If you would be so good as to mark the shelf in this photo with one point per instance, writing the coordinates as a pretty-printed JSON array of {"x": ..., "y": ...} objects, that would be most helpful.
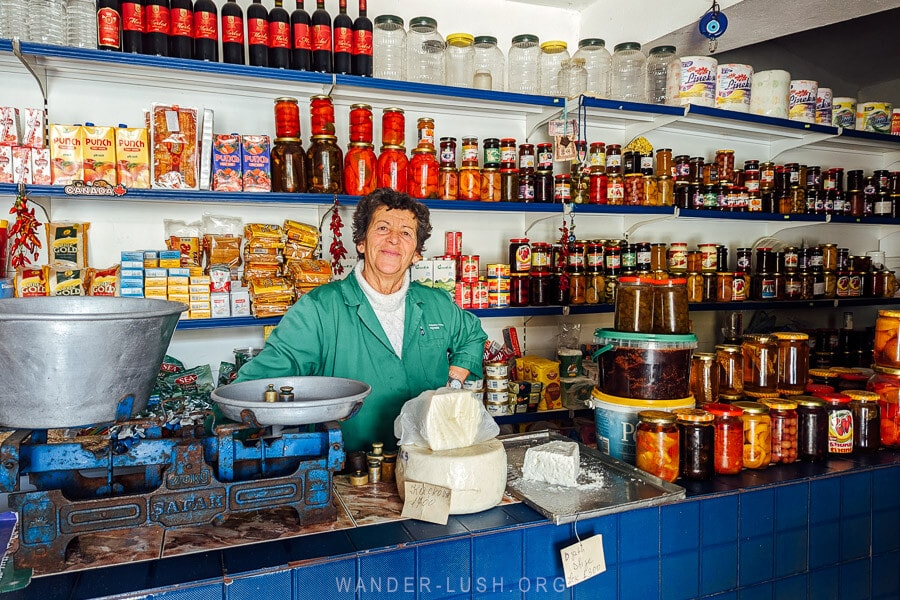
[
  {"x": 562, "y": 413},
  {"x": 187, "y": 324},
  {"x": 691, "y": 213}
]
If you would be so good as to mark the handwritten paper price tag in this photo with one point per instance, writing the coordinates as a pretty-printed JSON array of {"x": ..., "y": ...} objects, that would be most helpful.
[
  {"x": 426, "y": 502},
  {"x": 563, "y": 148},
  {"x": 558, "y": 127},
  {"x": 583, "y": 560}
]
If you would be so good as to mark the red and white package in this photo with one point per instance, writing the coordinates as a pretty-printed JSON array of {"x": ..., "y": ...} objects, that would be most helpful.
[
  {"x": 32, "y": 127},
  {"x": 21, "y": 165},
  {"x": 40, "y": 166},
  {"x": 6, "y": 164},
  {"x": 9, "y": 126}
]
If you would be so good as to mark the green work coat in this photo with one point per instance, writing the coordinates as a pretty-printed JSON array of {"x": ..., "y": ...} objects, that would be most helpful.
[{"x": 333, "y": 331}]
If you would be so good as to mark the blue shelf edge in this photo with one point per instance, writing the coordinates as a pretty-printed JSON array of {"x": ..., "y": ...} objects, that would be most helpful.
[
  {"x": 747, "y": 216},
  {"x": 229, "y": 322},
  {"x": 638, "y": 107},
  {"x": 718, "y": 113},
  {"x": 871, "y": 135}
]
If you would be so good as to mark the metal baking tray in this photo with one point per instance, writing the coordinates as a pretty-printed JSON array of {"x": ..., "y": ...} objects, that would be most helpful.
[{"x": 606, "y": 485}]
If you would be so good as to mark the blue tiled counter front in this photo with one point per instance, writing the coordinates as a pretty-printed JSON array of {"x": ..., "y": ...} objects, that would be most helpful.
[{"x": 821, "y": 531}]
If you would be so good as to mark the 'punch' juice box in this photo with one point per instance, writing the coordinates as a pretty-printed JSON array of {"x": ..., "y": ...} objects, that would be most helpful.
[
  {"x": 99, "y": 152},
  {"x": 133, "y": 157},
  {"x": 66, "y": 156},
  {"x": 227, "y": 163},
  {"x": 255, "y": 153}
]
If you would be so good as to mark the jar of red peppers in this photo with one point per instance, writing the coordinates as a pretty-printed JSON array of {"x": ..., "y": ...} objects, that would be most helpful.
[
  {"x": 812, "y": 428},
  {"x": 886, "y": 383},
  {"x": 696, "y": 441},
  {"x": 321, "y": 115},
  {"x": 326, "y": 162},
  {"x": 448, "y": 183},
  {"x": 393, "y": 168},
  {"x": 866, "y": 420},
  {"x": 287, "y": 118},
  {"x": 360, "y": 166},
  {"x": 361, "y": 123},
  {"x": 423, "y": 173},
  {"x": 728, "y": 446},
  {"x": 757, "y": 434},
  {"x": 784, "y": 429},
  {"x": 393, "y": 127},
  {"x": 656, "y": 444}
]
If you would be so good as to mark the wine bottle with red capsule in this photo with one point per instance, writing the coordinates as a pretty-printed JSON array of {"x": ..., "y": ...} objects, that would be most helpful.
[
  {"x": 109, "y": 24},
  {"x": 232, "y": 33},
  {"x": 206, "y": 31},
  {"x": 156, "y": 27},
  {"x": 301, "y": 40},
  {"x": 132, "y": 26},
  {"x": 258, "y": 34},
  {"x": 342, "y": 30},
  {"x": 362, "y": 43},
  {"x": 279, "y": 37},
  {"x": 321, "y": 39},
  {"x": 181, "y": 28}
]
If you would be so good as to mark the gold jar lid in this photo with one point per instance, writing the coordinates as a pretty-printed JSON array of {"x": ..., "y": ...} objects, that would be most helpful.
[
  {"x": 657, "y": 417},
  {"x": 693, "y": 415},
  {"x": 705, "y": 356},
  {"x": 894, "y": 314},
  {"x": 361, "y": 105},
  {"x": 809, "y": 401},
  {"x": 285, "y": 140},
  {"x": 329, "y": 138},
  {"x": 424, "y": 150},
  {"x": 823, "y": 373},
  {"x": 361, "y": 145},
  {"x": 320, "y": 97},
  {"x": 285, "y": 99},
  {"x": 885, "y": 370},
  {"x": 394, "y": 147},
  {"x": 751, "y": 408},
  {"x": 791, "y": 335},
  {"x": 778, "y": 404},
  {"x": 861, "y": 395},
  {"x": 728, "y": 348}
]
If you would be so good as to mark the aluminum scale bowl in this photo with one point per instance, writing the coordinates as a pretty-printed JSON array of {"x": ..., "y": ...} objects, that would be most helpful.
[{"x": 316, "y": 400}]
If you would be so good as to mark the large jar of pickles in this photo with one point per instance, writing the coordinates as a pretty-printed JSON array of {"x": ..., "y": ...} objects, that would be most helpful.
[
  {"x": 634, "y": 307},
  {"x": 887, "y": 339},
  {"x": 757, "y": 434},
  {"x": 886, "y": 383},
  {"x": 793, "y": 362},
  {"x": 656, "y": 444},
  {"x": 393, "y": 168},
  {"x": 696, "y": 439},
  {"x": 731, "y": 371},
  {"x": 784, "y": 429},
  {"x": 812, "y": 428},
  {"x": 326, "y": 162},
  {"x": 760, "y": 353},
  {"x": 728, "y": 447},
  {"x": 288, "y": 166},
  {"x": 360, "y": 166}
]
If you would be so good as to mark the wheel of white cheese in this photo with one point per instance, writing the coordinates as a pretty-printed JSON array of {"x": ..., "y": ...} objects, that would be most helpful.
[{"x": 476, "y": 474}]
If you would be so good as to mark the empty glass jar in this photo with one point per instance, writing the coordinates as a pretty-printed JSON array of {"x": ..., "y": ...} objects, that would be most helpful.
[
  {"x": 572, "y": 79},
  {"x": 524, "y": 65},
  {"x": 629, "y": 67},
  {"x": 425, "y": 52},
  {"x": 553, "y": 53},
  {"x": 389, "y": 48},
  {"x": 488, "y": 57},
  {"x": 598, "y": 64},
  {"x": 657, "y": 68},
  {"x": 459, "y": 60}
]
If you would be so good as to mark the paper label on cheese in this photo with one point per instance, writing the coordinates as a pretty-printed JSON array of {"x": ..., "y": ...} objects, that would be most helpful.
[
  {"x": 583, "y": 560},
  {"x": 427, "y": 502}
]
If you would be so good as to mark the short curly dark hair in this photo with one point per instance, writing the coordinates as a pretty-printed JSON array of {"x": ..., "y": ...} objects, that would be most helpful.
[{"x": 362, "y": 216}]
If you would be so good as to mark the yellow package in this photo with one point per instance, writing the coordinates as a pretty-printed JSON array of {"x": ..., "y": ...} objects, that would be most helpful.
[
  {"x": 99, "y": 153},
  {"x": 65, "y": 282},
  {"x": 269, "y": 285},
  {"x": 189, "y": 248},
  {"x": 546, "y": 371},
  {"x": 66, "y": 156},
  {"x": 103, "y": 282},
  {"x": 311, "y": 271},
  {"x": 67, "y": 244},
  {"x": 262, "y": 230},
  {"x": 31, "y": 282},
  {"x": 307, "y": 235},
  {"x": 292, "y": 251},
  {"x": 221, "y": 250},
  {"x": 133, "y": 157}
]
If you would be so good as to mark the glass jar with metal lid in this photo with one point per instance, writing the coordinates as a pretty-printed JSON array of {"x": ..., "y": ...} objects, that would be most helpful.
[
  {"x": 704, "y": 378},
  {"x": 887, "y": 334},
  {"x": 393, "y": 168},
  {"x": 866, "y": 420},
  {"x": 886, "y": 383},
  {"x": 492, "y": 186},
  {"x": 488, "y": 57},
  {"x": 289, "y": 166},
  {"x": 469, "y": 183},
  {"x": 784, "y": 429},
  {"x": 524, "y": 64},
  {"x": 696, "y": 441},
  {"x": 757, "y": 434},
  {"x": 598, "y": 63},
  {"x": 657, "y": 69},
  {"x": 656, "y": 444},
  {"x": 812, "y": 428},
  {"x": 360, "y": 169},
  {"x": 840, "y": 423},
  {"x": 423, "y": 173},
  {"x": 760, "y": 357},
  {"x": 628, "y": 73},
  {"x": 389, "y": 48},
  {"x": 326, "y": 163},
  {"x": 793, "y": 362},
  {"x": 728, "y": 443},
  {"x": 730, "y": 360},
  {"x": 425, "y": 52},
  {"x": 634, "y": 306}
]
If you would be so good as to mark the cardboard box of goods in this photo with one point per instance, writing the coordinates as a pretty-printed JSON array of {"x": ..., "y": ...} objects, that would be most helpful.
[
  {"x": 40, "y": 166},
  {"x": 240, "y": 302},
  {"x": 131, "y": 264},
  {"x": 131, "y": 282},
  {"x": 179, "y": 290},
  {"x": 9, "y": 126},
  {"x": 133, "y": 157},
  {"x": 199, "y": 289},
  {"x": 156, "y": 272},
  {"x": 22, "y": 165},
  {"x": 200, "y": 314},
  {"x": 156, "y": 292},
  {"x": 200, "y": 280},
  {"x": 184, "y": 298},
  {"x": 199, "y": 297},
  {"x": 127, "y": 292},
  {"x": 131, "y": 273},
  {"x": 179, "y": 272},
  {"x": 98, "y": 148},
  {"x": 66, "y": 155},
  {"x": 227, "y": 169},
  {"x": 423, "y": 272},
  {"x": 6, "y": 164},
  {"x": 445, "y": 275},
  {"x": 136, "y": 255},
  {"x": 33, "y": 128},
  {"x": 220, "y": 305},
  {"x": 255, "y": 163},
  {"x": 160, "y": 282}
]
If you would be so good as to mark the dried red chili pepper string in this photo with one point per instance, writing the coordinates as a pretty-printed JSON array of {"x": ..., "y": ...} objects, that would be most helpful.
[
  {"x": 337, "y": 250},
  {"x": 564, "y": 251},
  {"x": 25, "y": 245}
]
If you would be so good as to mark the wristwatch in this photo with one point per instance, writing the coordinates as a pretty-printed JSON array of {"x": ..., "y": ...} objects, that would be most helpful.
[{"x": 454, "y": 384}]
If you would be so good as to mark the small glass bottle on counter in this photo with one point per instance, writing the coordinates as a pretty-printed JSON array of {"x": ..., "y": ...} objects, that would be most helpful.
[
  {"x": 326, "y": 163},
  {"x": 360, "y": 169},
  {"x": 784, "y": 429},
  {"x": 656, "y": 444},
  {"x": 731, "y": 377},
  {"x": 288, "y": 166},
  {"x": 704, "y": 377},
  {"x": 696, "y": 440},
  {"x": 760, "y": 353},
  {"x": 728, "y": 445},
  {"x": 793, "y": 362},
  {"x": 757, "y": 434},
  {"x": 866, "y": 420},
  {"x": 812, "y": 428}
]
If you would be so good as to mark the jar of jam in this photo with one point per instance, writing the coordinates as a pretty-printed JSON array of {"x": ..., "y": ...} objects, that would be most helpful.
[
  {"x": 562, "y": 188},
  {"x": 760, "y": 352},
  {"x": 287, "y": 118},
  {"x": 526, "y": 158},
  {"x": 448, "y": 183},
  {"x": 664, "y": 165},
  {"x": 784, "y": 429},
  {"x": 321, "y": 115},
  {"x": 643, "y": 257},
  {"x": 659, "y": 257},
  {"x": 393, "y": 168},
  {"x": 615, "y": 189},
  {"x": 730, "y": 360},
  {"x": 696, "y": 440},
  {"x": 393, "y": 127},
  {"x": 886, "y": 383},
  {"x": 656, "y": 444},
  {"x": 704, "y": 380},
  {"x": 519, "y": 289},
  {"x": 593, "y": 256},
  {"x": 526, "y": 188},
  {"x": 423, "y": 173},
  {"x": 545, "y": 156},
  {"x": 361, "y": 123},
  {"x": 508, "y": 155},
  {"x": 793, "y": 362},
  {"x": 492, "y": 186},
  {"x": 728, "y": 441},
  {"x": 509, "y": 185},
  {"x": 559, "y": 294},
  {"x": 866, "y": 420},
  {"x": 469, "y": 183},
  {"x": 757, "y": 434},
  {"x": 812, "y": 428},
  {"x": 448, "y": 152},
  {"x": 767, "y": 177},
  {"x": 751, "y": 176},
  {"x": 840, "y": 423},
  {"x": 540, "y": 288},
  {"x": 425, "y": 132},
  {"x": 470, "y": 152},
  {"x": 614, "y": 159},
  {"x": 670, "y": 306},
  {"x": 543, "y": 186},
  {"x": 540, "y": 256},
  {"x": 491, "y": 152},
  {"x": 634, "y": 307},
  {"x": 289, "y": 166},
  {"x": 326, "y": 162},
  {"x": 520, "y": 256},
  {"x": 577, "y": 286},
  {"x": 597, "y": 157},
  {"x": 682, "y": 171},
  {"x": 360, "y": 169}
]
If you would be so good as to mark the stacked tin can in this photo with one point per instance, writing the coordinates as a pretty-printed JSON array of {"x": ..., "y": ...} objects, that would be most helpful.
[{"x": 496, "y": 389}]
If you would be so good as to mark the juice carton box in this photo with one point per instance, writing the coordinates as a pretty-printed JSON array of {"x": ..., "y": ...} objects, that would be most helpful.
[
  {"x": 255, "y": 153},
  {"x": 22, "y": 165},
  {"x": 6, "y": 164},
  {"x": 99, "y": 152},
  {"x": 66, "y": 156},
  {"x": 9, "y": 126},
  {"x": 40, "y": 166},
  {"x": 33, "y": 127},
  {"x": 133, "y": 157},
  {"x": 226, "y": 163}
]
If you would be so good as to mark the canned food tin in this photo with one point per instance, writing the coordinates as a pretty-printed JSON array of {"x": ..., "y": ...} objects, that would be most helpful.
[
  {"x": 453, "y": 243},
  {"x": 474, "y": 385},
  {"x": 496, "y": 384},
  {"x": 463, "y": 294},
  {"x": 497, "y": 409},
  {"x": 480, "y": 298},
  {"x": 496, "y": 369},
  {"x": 874, "y": 116},
  {"x": 498, "y": 396},
  {"x": 468, "y": 267},
  {"x": 497, "y": 270},
  {"x": 843, "y": 112},
  {"x": 498, "y": 299},
  {"x": 802, "y": 101}
]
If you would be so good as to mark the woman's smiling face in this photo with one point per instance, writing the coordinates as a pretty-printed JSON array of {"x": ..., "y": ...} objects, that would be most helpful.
[{"x": 390, "y": 244}]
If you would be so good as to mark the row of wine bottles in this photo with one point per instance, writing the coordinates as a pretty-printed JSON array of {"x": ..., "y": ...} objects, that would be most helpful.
[{"x": 265, "y": 38}]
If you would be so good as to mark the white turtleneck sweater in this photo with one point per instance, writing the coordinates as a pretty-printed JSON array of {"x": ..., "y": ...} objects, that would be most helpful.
[{"x": 389, "y": 308}]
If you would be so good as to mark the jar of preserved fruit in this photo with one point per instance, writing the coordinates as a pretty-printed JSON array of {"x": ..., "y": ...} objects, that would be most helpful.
[
  {"x": 760, "y": 357},
  {"x": 694, "y": 287},
  {"x": 540, "y": 288},
  {"x": 562, "y": 188},
  {"x": 664, "y": 165},
  {"x": 321, "y": 115},
  {"x": 289, "y": 166},
  {"x": 666, "y": 187},
  {"x": 508, "y": 156},
  {"x": 527, "y": 158},
  {"x": 361, "y": 123},
  {"x": 425, "y": 132},
  {"x": 696, "y": 440},
  {"x": 470, "y": 152},
  {"x": 724, "y": 286},
  {"x": 469, "y": 183},
  {"x": 757, "y": 434},
  {"x": 543, "y": 186},
  {"x": 577, "y": 286},
  {"x": 704, "y": 377},
  {"x": 614, "y": 158},
  {"x": 423, "y": 173},
  {"x": 784, "y": 429},
  {"x": 840, "y": 423},
  {"x": 634, "y": 307},
  {"x": 634, "y": 189},
  {"x": 793, "y": 362},
  {"x": 866, "y": 420},
  {"x": 670, "y": 306},
  {"x": 448, "y": 152},
  {"x": 393, "y": 168},
  {"x": 656, "y": 444},
  {"x": 731, "y": 378},
  {"x": 360, "y": 169},
  {"x": 725, "y": 164},
  {"x": 287, "y": 118},
  {"x": 509, "y": 184},
  {"x": 650, "y": 191},
  {"x": 728, "y": 442},
  {"x": 887, "y": 339},
  {"x": 393, "y": 127},
  {"x": 886, "y": 383},
  {"x": 615, "y": 189},
  {"x": 596, "y": 288},
  {"x": 812, "y": 428},
  {"x": 448, "y": 183},
  {"x": 326, "y": 163},
  {"x": 519, "y": 289}
]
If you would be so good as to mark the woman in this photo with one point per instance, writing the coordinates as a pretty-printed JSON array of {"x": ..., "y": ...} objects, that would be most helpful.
[{"x": 376, "y": 326}]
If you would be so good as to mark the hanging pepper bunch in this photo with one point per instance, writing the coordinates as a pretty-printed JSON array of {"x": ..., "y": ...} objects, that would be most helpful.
[
  {"x": 25, "y": 244},
  {"x": 565, "y": 233},
  {"x": 337, "y": 250}
]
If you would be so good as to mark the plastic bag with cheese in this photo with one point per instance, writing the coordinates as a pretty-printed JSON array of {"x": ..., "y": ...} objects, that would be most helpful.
[{"x": 444, "y": 419}]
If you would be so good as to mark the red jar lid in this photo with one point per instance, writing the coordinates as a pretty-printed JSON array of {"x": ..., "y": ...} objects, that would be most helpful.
[
  {"x": 834, "y": 398},
  {"x": 857, "y": 377},
  {"x": 818, "y": 388},
  {"x": 724, "y": 410}
]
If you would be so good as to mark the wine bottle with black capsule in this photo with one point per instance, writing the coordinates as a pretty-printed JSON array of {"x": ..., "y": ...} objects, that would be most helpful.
[
  {"x": 133, "y": 25},
  {"x": 206, "y": 31},
  {"x": 362, "y": 43},
  {"x": 258, "y": 34},
  {"x": 156, "y": 27},
  {"x": 279, "y": 37},
  {"x": 301, "y": 40},
  {"x": 181, "y": 28},
  {"x": 342, "y": 31},
  {"x": 321, "y": 39},
  {"x": 232, "y": 33}
]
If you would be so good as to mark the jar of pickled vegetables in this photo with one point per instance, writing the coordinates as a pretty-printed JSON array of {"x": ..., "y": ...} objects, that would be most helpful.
[
  {"x": 731, "y": 371},
  {"x": 728, "y": 442},
  {"x": 886, "y": 383},
  {"x": 361, "y": 123},
  {"x": 423, "y": 173},
  {"x": 696, "y": 440},
  {"x": 287, "y": 118},
  {"x": 866, "y": 420},
  {"x": 887, "y": 339},
  {"x": 812, "y": 428},
  {"x": 760, "y": 353},
  {"x": 704, "y": 378},
  {"x": 360, "y": 166},
  {"x": 670, "y": 306},
  {"x": 784, "y": 429},
  {"x": 321, "y": 115},
  {"x": 634, "y": 307},
  {"x": 491, "y": 185},
  {"x": 448, "y": 183},
  {"x": 393, "y": 127},
  {"x": 288, "y": 165},
  {"x": 469, "y": 183},
  {"x": 326, "y": 162},
  {"x": 793, "y": 362},
  {"x": 757, "y": 434},
  {"x": 656, "y": 444},
  {"x": 393, "y": 168},
  {"x": 840, "y": 424}
]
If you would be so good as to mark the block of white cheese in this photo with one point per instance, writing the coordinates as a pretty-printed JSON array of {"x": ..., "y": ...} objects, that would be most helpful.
[
  {"x": 452, "y": 419},
  {"x": 476, "y": 475},
  {"x": 556, "y": 463}
]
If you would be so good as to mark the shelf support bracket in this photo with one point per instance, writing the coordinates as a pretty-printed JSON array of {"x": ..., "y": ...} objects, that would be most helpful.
[
  {"x": 28, "y": 62},
  {"x": 641, "y": 223},
  {"x": 633, "y": 131},
  {"x": 891, "y": 159},
  {"x": 778, "y": 148},
  {"x": 533, "y": 121},
  {"x": 799, "y": 225},
  {"x": 567, "y": 210}
]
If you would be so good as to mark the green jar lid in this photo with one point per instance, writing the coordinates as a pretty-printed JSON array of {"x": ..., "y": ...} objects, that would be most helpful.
[
  {"x": 663, "y": 50},
  {"x": 525, "y": 37},
  {"x": 592, "y": 42},
  {"x": 423, "y": 22},
  {"x": 652, "y": 340},
  {"x": 389, "y": 19},
  {"x": 485, "y": 39},
  {"x": 627, "y": 46}
]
